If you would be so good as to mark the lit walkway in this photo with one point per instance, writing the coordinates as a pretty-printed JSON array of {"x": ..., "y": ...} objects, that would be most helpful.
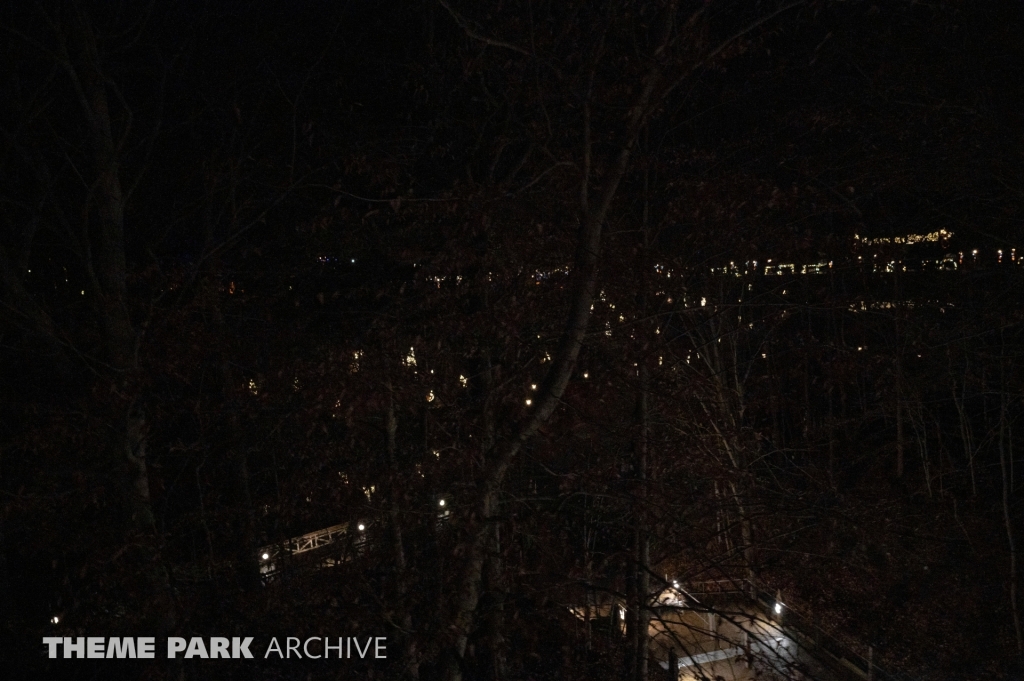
[
  {"x": 734, "y": 642},
  {"x": 738, "y": 632}
]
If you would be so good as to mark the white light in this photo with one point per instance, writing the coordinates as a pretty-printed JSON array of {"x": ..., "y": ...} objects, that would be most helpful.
[
  {"x": 533, "y": 386},
  {"x": 778, "y": 608},
  {"x": 675, "y": 584},
  {"x": 361, "y": 527},
  {"x": 55, "y": 619},
  {"x": 441, "y": 503},
  {"x": 622, "y": 613},
  {"x": 529, "y": 402},
  {"x": 586, "y": 374},
  {"x": 353, "y": 261},
  {"x": 265, "y": 556}
]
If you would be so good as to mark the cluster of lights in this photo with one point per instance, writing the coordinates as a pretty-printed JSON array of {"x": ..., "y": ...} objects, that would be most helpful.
[
  {"x": 330, "y": 259},
  {"x": 541, "y": 275},
  {"x": 940, "y": 235},
  {"x": 778, "y": 269},
  {"x": 948, "y": 262},
  {"x": 884, "y": 305}
]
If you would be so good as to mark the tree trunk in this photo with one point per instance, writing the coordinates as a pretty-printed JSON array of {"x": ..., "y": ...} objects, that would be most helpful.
[
  {"x": 917, "y": 422},
  {"x": 900, "y": 438},
  {"x": 900, "y": 408},
  {"x": 640, "y": 582},
  {"x": 549, "y": 395},
  {"x": 246, "y": 560},
  {"x": 494, "y": 623},
  {"x": 142, "y": 526},
  {"x": 966, "y": 433},
  {"x": 106, "y": 265},
  {"x": 403, "y": 616},
  {"x": 6, "y": 601},
  {"x": 641, "y": 536},
  {"x": 1008, "y": 519}
]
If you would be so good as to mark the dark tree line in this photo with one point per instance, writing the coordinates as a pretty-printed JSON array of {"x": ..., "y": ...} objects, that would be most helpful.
[{"x": 560, "y": 301}]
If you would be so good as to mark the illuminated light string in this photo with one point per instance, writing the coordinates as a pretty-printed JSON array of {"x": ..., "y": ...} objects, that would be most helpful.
[{"x": 940, "y": 235}]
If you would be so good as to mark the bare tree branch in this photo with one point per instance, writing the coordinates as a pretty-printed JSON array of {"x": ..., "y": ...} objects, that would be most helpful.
[{"x": 477, "y": 35}]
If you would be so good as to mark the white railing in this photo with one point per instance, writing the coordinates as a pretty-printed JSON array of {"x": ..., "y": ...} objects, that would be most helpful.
[{"x": 270, "y": 556}]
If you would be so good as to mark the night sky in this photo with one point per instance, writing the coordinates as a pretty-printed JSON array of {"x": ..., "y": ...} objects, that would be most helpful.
[{"x": 535, "y": 340}]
